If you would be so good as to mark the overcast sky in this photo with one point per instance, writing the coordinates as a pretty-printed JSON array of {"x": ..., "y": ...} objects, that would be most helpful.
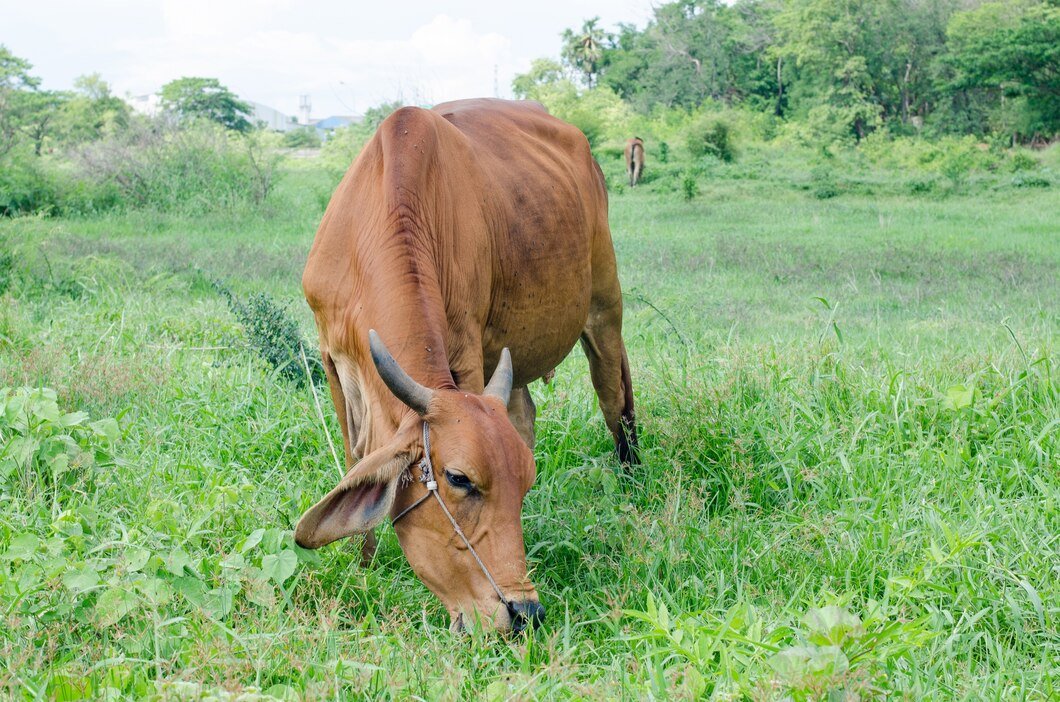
[{"x": 347, "y": 55}]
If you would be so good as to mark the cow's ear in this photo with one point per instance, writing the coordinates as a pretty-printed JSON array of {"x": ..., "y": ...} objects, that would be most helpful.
[{"x": 363, "y": 497}]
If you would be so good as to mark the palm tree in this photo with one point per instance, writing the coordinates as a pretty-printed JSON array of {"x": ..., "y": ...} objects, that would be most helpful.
[{"x": 584, "y": 50}]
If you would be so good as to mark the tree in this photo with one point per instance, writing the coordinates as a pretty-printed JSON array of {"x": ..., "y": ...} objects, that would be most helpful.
[
  {"x": 91, "y": 112},
  {"x": 206, "y": 98},
  {"x": 1010, "y": 52},
  {"x": 841, "y": 45},
  {"x": 15, "y": 85},
  {"x": 374, "y": 116},
  {"x": 40, "y": 108},
  {"x": 583, "y": 50},
  {"x": 543, "y": 72}
]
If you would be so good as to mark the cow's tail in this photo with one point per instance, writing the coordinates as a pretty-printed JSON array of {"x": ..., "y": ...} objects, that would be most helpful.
[{"x": 635, "y": 165}]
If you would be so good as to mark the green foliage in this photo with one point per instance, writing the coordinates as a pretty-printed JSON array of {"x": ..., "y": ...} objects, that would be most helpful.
[
  {"x": 7, "y": 269},
  {"x": 343, "y": 146},
  {"x": 206, "y": 98},
  {"x": 711, "y": 136},
  {"x": 273, "y": 334},
  {"x": 196, "y": 165},
  {"x": 689, "y": 185},
  {"x": 824, "y": 182},
  {"x": 583, "y": 50},
  {"x": 45, "y": 451},
  {"x": 302, "y": 138},
  {"x": 834, "y": 654},
  {"x": 598, "y": 112},
  {"x": 25, "y": 184},
  {"x": 91, "y": 113},
  {"x": 18, "y": 92},
  {"x": 843, "y": 69},
  {"x": 1010, "y": 49}
]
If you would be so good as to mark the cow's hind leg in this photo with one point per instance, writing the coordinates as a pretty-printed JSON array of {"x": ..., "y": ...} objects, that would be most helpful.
[
  {"x": 602, "y": 342},
  {"x": 522, "y": 413}
]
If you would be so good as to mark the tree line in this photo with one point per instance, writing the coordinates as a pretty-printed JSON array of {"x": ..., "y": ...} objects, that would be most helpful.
[{"x": 846, "y": 67}]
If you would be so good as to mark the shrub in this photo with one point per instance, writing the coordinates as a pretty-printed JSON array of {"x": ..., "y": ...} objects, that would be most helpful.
[
  {"x": 824, "y": 183},
  {"x": 1022, "y": 161},
  {"x": 711, "y": 136},
  {"x": 25, "y": 186},
  {"x": 921, "y": 186},
  {"x": 343, "y": 146},
  {"x": 664, "y": 152},
  {"x": 194, "y": 166},
  {"x": 1029, "y": 180},
  {"x": 689, "y": 185},
  {"x": 302, "y": 138},
  {"x": 273, "y": 334},
  {"x": 7, "y": 269}
]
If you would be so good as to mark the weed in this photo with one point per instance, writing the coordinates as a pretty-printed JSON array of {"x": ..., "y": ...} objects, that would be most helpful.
[
  {"x": 689, "y": 186},
  {"x": 273, "y": 334}
]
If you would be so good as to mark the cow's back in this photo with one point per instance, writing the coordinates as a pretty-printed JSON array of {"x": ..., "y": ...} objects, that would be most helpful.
[
  {"x": 545, "y": 205},
  {"x": 505, "y": 207}
]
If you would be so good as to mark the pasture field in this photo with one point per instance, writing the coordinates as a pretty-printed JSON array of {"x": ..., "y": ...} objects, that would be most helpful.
[{"x": 849, "y": 409}]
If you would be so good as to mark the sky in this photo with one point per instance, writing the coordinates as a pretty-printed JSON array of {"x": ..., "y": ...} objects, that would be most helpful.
[{"x": 347, "y": 56}]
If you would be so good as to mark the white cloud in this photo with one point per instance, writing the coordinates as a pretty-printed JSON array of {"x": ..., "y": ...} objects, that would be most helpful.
[
  {"x": 443, "y": 59},
  {"x": 348, "y": 55}
]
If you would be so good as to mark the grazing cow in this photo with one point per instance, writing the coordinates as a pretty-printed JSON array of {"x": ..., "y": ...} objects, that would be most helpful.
[
  {"x": 465, "y": 238},
  {"x": 634, "y": 160}
]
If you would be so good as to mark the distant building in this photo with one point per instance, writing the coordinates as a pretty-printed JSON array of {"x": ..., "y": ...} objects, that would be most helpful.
[
  {"x": 326, "y": 127},
  {"x": 150, "y": 104},
  {"x": 271, "y": 118}
]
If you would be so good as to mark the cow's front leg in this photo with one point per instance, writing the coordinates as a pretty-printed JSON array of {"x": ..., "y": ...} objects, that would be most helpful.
[{"x": 522, "y": 413}]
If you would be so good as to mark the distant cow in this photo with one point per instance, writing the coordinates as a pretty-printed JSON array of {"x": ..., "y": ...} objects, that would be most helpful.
[
  {"x": 469, "y": 237},
  {"x": 634, "y": 160}
]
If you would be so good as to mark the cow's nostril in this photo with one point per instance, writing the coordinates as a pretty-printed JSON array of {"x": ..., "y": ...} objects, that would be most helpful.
[{"x": 529, "y": 612}]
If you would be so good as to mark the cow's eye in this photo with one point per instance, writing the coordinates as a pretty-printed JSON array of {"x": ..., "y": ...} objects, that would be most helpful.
[{"x": 459, "y": 481}]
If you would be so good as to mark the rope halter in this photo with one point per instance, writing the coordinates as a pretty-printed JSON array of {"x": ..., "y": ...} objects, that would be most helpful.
[{"x": 428, "y": 479}]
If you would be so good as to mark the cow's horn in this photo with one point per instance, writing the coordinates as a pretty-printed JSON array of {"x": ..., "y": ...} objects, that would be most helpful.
[
  {"x": 400, "y": 383},
  {"x": 500, "y": 384}
]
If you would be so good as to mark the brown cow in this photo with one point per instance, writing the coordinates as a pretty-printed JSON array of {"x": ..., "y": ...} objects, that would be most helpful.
[
  {"x": 634, "y": 160},
  {"x": 458, "y": 233}
]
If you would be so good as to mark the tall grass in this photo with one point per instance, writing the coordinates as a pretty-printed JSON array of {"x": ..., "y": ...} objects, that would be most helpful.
[{"x": 849, "y": 410}]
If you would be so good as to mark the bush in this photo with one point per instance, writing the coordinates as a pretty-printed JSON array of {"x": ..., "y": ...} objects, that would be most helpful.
[
  {"x": 25, "y": 186},
  {"x": 1029, "y": 180},
  {"x": 197, "y": 166},
  {"x": 689, "y": 186},
  {"x": 1022, "y": 161},
  {"x": 273, "y": 334},
  {"x": 711, "y": 136},
  {"x": 302, "y": 138},
  {"x": 46, "y": 450},
  {"x": 824, "y": 183},
  {"x": 343, "y": 146},
  {"x": 7, "y": 270},
  {"x": 921, "y": 186}
]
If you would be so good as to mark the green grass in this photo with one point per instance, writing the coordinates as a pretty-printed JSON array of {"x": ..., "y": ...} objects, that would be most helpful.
[{"x": 849, "y": 406}]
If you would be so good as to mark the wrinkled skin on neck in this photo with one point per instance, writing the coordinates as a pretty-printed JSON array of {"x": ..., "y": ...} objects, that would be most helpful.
[{"x": 484, "y": 470}]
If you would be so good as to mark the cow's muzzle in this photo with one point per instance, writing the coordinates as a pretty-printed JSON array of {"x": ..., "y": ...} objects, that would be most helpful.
[{"x": 527, "y": 613}]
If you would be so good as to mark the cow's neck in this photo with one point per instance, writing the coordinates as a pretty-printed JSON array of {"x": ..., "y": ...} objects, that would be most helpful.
[{"x": 403, "y": 303}]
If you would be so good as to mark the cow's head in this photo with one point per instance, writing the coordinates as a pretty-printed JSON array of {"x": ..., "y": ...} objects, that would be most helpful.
[{"x": 483, "y": 469}]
